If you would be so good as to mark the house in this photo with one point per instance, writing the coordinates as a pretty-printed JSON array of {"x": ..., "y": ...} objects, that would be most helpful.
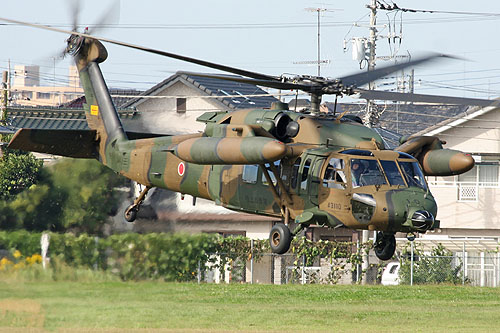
[
  {"x": 467, "y": 202},
  {"x": 173, "y": 105}
]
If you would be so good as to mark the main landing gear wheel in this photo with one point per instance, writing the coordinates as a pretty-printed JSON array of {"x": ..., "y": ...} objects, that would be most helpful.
[
  {"x": 280, "y": 238},
  {"x": 385, "y": 246}
]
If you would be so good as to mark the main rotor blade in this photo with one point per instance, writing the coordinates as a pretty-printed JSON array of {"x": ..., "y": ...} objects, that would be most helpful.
[
  {"x": 357, "y": 80},
  {"x": 74, "y": 12},
  {"x": 208, "y": 64},
  {"x": 111, "y": 15},
  {"x": 407, "y": 97},
  {"x": 265, "y": 83}
]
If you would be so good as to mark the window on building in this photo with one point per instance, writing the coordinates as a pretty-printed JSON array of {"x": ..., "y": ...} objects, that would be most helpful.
[
  {"x": 488, "y": 174},
  {"x": 181, "y": 105},
  {"x": 44, "y": 95},
  {"x": 469, "y": 177},
  {"x": 484, "y": 174}
]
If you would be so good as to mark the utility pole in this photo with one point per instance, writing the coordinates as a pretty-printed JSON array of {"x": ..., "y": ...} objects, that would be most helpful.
[
  {"x": 372, "y": 41},
  {"x": 3, "y": 107},
  {"x": 370, "y": 112}
]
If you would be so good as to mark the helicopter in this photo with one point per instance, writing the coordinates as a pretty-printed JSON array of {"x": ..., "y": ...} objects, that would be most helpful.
[{"x": 307, "y": 169}]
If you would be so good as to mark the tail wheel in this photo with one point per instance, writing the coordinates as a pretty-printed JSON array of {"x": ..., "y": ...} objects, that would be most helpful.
[
  {"x": 280, "y": 238},
  {"x": 385, "y": 246},
  {"x": 131, "y": 213}
]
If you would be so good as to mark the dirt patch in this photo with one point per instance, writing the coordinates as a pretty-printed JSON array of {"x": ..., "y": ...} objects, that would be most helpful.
[{"x": 24, "y": 313}]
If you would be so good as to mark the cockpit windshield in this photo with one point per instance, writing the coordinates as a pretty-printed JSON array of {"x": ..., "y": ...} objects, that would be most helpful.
[
  {"x": 413, "y": 174},
  {"x": 392, "y": 172},
  {"x": 366, "y": 172}
]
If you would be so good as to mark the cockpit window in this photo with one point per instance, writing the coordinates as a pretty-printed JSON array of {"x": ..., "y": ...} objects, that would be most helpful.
[
  {"x": 366, "y": 172},
  {"x": 413, "y": 174},
  {"x": 392, "y": 172},
  {"x": 334, "y": 174}
]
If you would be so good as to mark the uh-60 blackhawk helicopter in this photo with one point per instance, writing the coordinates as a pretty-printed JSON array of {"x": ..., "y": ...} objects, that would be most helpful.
[{"x": 327, "y": 170}]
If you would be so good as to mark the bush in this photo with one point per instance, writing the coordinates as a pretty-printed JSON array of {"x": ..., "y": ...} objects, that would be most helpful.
[
  {"x": 171, "y": 257},
  {"x": 437, "y": 267}
]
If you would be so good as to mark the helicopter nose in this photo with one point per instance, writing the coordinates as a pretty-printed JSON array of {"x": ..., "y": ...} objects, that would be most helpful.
[{"x": 422, "y": 220}]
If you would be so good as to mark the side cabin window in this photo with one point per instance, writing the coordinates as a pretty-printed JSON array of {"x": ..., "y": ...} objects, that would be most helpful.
[
  {"x": 250, "y": 174},
  {"x": 277, "y": 164},
  {"x": 305, "y": 172},
  {"x": 365, "y": 172},
  {"x": 334, "y": 176},
  {"x": 295, "y": 173}
]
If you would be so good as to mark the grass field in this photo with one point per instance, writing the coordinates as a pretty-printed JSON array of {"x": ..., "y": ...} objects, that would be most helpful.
[{"x": 144, "y": 306}]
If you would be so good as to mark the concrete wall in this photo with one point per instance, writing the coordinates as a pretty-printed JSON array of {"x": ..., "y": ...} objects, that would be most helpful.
[{"x": 160, "y": 114}]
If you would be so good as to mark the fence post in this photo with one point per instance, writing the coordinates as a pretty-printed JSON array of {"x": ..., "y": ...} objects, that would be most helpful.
[
  {"x": 483, "y": 278},
  {"x": 44, "y": 243},
  {"x": 411, "y": 266},
  {"x": 96, "y": 241},
  {"x": 464, "y": 263},
  {"x": 303, "y": 269},
  {"x": 199, "y": 271},
  {"x": 358, "y": 266},
  {"x": 251, "y": 261}
]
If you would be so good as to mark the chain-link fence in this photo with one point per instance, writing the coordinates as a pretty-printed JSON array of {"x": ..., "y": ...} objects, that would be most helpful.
[
  {"x": 413, "y": 266},
  {"x": 283, "y": 269}
]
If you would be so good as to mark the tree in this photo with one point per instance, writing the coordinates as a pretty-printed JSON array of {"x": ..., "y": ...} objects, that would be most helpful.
[
  {"x": 40, "y": 206},
  {"x": 437, "y": 267},
  {"x": 86, "y": 191},
  {"x": 18, "y": 171},
  {"x": 70, "y": 194}
]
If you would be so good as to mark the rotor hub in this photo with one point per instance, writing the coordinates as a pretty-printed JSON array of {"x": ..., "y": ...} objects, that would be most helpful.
[{"x": 75, "y": 43}]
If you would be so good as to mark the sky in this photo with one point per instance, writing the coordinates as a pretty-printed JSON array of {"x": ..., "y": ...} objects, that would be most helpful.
[{"x": 271, "y": 37}]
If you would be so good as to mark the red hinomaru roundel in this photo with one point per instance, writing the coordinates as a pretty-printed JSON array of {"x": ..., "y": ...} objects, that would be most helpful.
[{"x": 181, "y": 168}]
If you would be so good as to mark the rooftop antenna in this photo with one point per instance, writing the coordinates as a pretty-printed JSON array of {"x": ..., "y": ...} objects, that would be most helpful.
[{"x": 319, "y": 10}]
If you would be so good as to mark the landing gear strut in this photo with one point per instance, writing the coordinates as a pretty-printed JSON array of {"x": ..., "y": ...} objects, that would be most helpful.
[
  {"x": 385, "y": 245},
  {"x": 133, "y": 209}
]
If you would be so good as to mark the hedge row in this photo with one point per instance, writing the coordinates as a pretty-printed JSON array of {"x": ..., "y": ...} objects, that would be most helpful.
[{"x": 173, "y": 257}]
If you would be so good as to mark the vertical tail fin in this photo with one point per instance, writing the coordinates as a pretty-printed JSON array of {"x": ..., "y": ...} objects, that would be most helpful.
[{"x": 99, "y": 109}]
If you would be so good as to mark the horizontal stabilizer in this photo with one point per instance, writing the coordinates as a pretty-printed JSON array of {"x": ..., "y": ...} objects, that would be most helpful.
[{"x": 69, "y": 143}]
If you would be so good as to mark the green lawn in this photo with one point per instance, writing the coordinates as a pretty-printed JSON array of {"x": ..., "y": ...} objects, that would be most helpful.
[{"x": 209, "y": 307}]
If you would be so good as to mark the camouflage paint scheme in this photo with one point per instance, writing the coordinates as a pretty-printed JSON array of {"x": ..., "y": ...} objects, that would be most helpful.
[{"x": 211, "y": 164}]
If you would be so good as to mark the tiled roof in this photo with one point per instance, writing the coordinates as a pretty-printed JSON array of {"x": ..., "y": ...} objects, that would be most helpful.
[
  {"x": 406, "y": 119},
  {"x": 6, "y": 130},
  {"x": 216, "y": 87},
  {"x": 53, "y": 118},
  {"x": 117, "y": 100}
]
